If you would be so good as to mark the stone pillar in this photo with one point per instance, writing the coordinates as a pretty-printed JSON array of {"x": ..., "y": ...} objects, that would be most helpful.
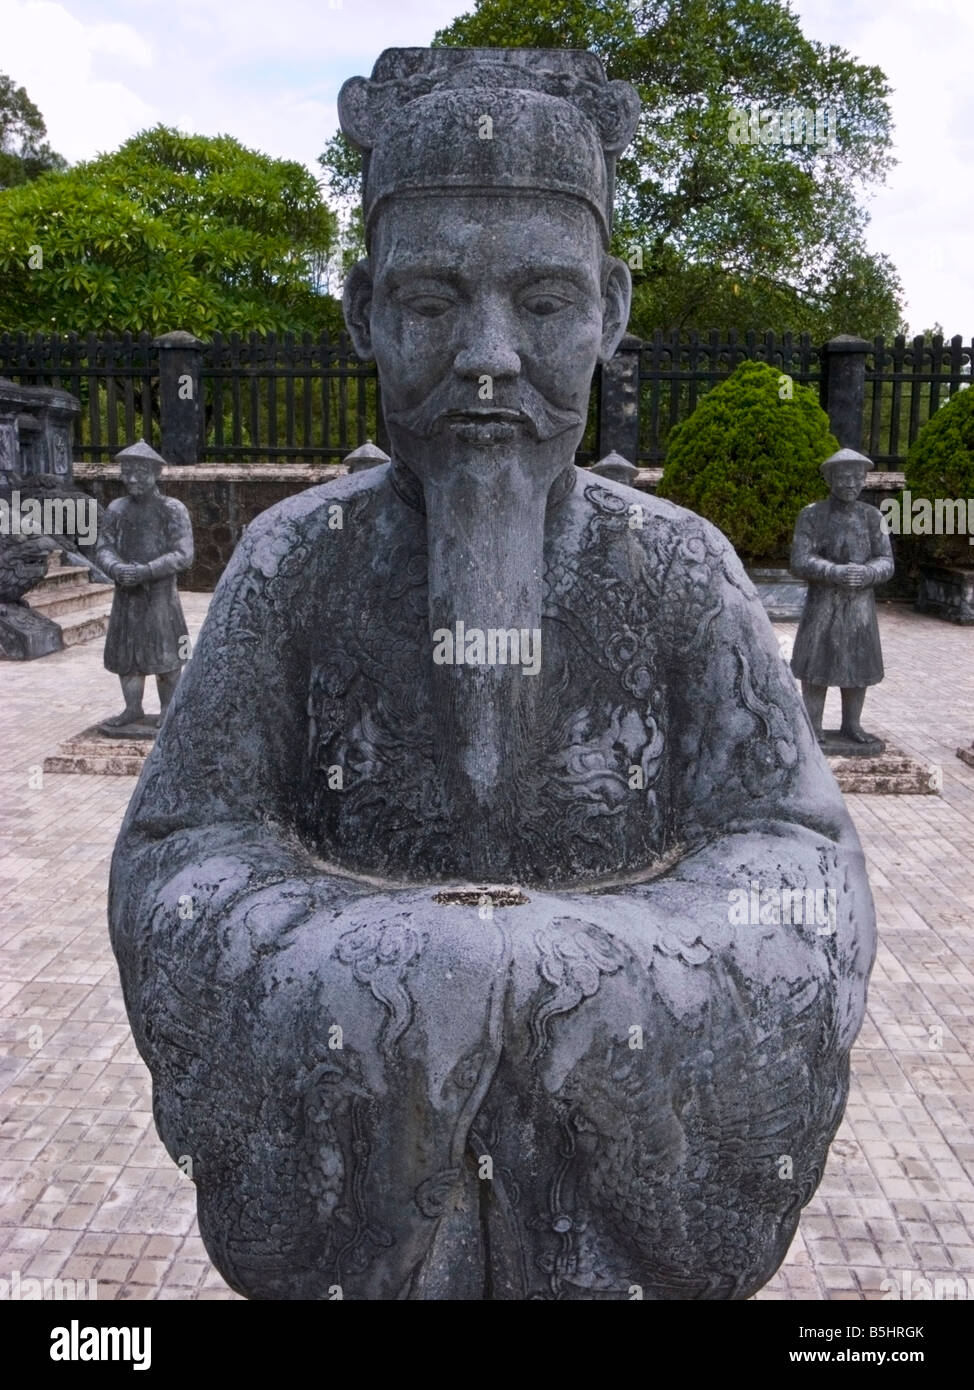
[
  {"x": 619, "y": 401},
  {"x": 57, "y": 419},
  {"x": 31, "y": 445},
  {"x": 365, "y": 456},
  {"x": 180, "y": 401},
  {"x": 616, "y": 467},
  {"x": 9, "y": 449},
  {"x": 843, "y": 387}
]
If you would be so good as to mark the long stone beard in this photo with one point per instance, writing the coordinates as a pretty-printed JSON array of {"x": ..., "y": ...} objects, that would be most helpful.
[{"x": 485, "y": 510}]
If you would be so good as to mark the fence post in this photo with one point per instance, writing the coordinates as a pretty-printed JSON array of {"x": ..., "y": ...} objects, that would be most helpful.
[
  {"x": 619, "y": 402},
  {"x": 180, "y": 401},
  {"x": 843, "y": 387}
]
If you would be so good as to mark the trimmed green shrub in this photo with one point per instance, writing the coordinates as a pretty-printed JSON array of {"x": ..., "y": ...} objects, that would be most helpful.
[
  {"x": 748, "y": 459},
  {"x": 940, "y": 464}
]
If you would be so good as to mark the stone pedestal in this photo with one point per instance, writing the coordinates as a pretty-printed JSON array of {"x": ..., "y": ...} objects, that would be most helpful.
[
  {"x": 25, "y": 635},
  {"x": 890, "y": 773},
  {"x": 966, "y": 755},
  {"x": 92, "y": 752},
  {"x": 782, "y": 595}
]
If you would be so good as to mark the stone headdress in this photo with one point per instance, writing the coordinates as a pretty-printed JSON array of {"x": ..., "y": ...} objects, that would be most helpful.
[
  {"x": 553, "y": 123},
  {"x": 843, "y": 456}
]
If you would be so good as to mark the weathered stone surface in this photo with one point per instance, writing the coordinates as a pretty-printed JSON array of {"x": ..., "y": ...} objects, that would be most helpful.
[
  {"x": 888, "y": 773},
  {"x": 966, "y": 755},
  {"x": 24, "y": 634},
  {"x": 947, "y": 591},
  {"x": 94, "y": 752},
  {"x": 443, "y": 968},
  {"x": 781, "y": 594}
]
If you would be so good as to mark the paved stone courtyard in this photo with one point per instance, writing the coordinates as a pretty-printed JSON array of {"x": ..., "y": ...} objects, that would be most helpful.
[{"x": 89, "y": 1193}]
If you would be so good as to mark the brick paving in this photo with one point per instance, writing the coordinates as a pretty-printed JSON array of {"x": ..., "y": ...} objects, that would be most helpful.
[{"x": 88, "y": 1192}]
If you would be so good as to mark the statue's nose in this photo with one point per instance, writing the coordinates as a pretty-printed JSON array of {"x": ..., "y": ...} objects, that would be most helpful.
[{"x": 489, "y": 348}]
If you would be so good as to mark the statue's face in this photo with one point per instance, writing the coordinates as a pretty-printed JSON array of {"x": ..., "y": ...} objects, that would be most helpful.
[
  {"x": 486, "y": 319},
  {"x": 846, "y": 481},
  {"x": 139, "y": 479}
]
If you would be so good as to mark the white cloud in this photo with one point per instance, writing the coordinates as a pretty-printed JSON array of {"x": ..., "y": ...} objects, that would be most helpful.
[
  {"x": 922, "y": 217},
  {"x": 61, "y": 62}
]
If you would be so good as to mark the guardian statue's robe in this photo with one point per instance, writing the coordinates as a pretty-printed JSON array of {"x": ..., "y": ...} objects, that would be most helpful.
[{"x": 628, "y": 1070}]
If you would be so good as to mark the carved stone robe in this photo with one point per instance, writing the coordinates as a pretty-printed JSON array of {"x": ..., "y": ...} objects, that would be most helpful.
[{"x": 410, "y": 1093}]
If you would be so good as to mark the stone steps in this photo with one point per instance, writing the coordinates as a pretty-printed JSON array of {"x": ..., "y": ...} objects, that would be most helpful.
[{"x": 65, "y": 595}]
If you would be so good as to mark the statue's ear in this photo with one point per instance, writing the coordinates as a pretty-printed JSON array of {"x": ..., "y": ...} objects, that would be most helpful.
[
  {"x": 357, "y": 305},
  {"x": 616, "y": 300}
]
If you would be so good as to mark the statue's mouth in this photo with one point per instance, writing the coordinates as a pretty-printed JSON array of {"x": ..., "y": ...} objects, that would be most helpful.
[{"x": 492, "y": 425}]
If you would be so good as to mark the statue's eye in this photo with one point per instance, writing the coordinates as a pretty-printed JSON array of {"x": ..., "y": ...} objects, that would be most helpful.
[
  {"x": 429, "y": 306},
  {"x": 545, "y": 304}
]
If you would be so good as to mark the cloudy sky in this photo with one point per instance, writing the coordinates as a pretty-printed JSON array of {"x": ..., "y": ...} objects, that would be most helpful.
[{"x": 269, "y": 73}]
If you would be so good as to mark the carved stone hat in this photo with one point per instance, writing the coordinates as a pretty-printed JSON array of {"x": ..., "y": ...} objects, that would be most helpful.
[
  {"x": 140, "y": 453},
  {"x": 845, "y": 456},
  {"x": 433, "y": 121}
]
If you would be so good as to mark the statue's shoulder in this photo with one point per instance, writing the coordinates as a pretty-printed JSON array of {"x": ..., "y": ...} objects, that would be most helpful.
[
  {"x": 665, "y": 534},
  {"x": 812, "y": 512},
  {"x": 311, "y": 529},
  {"x": 176, "y": 509},
  {"x": 681, "y": 568},
  {"x": 324, "y": 508}
]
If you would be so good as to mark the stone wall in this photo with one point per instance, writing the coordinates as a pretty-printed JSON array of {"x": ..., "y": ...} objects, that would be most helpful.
[
  {"x": 224, "y": 498},
  {"x": 221, "y": 499}
]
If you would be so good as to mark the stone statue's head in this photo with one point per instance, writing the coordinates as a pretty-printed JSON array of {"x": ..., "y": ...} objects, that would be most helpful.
[
  {"x": 845, "y": 472},
  {"x": 488, "y": 295},
  {"x": 487, "y": 299},
  {"x": 140, "y": 467}
]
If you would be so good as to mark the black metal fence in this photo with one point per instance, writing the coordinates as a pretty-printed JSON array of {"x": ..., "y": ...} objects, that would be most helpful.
[{"x": 299, "y": 398}]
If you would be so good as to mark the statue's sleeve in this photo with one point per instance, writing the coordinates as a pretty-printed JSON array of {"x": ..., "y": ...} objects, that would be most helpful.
[
  {"x": 207, "y": 845},
  {"x": 180, "y": 538},
  {"x": 806, "y": 563},
  {"x": 880, "y": 564},
  {"x": 107, "y": 557},
  {"x": 754, "y": 809}
]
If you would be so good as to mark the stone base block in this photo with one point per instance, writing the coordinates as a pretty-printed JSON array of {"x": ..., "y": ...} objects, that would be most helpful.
[
  {"x": 93, "y": 752},
  {"x": 966, "y": 755},
  {"x": 25, "y": 635},
  {"x": 891, "y": 773}
]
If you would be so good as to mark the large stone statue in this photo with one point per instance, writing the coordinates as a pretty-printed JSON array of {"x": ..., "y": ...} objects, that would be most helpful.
[
  {"x": 841, "y": 547},
  {"x": 487, "y": 914},
  {"x": 144, "y": 541}
]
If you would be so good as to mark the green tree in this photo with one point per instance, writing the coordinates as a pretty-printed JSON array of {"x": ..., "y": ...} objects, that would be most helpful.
[
  {"x": 719, "y": 231},
  {"x": 169, "y": 231},
  {"x": 24, "y": 152}
]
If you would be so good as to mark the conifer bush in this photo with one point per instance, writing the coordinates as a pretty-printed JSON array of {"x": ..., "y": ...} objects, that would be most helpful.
[
  {"x": 940, "y": 464},
  {"x": 748, "y": 459}
]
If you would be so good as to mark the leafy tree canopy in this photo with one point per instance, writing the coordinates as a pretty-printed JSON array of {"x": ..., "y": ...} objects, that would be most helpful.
[
  {"x": 169, "y": 231},
  {"x": 24, "y": 152},
  {"x": 725, "y": 220}
]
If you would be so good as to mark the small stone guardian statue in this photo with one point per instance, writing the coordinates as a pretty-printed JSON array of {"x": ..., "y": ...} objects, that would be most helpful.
[
  {"x": 146, "y": 539},
  {"x": 842, "y": 549}
]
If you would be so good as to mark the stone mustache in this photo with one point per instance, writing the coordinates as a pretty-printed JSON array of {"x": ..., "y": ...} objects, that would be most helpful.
[{"x": 432, "y": 960}]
